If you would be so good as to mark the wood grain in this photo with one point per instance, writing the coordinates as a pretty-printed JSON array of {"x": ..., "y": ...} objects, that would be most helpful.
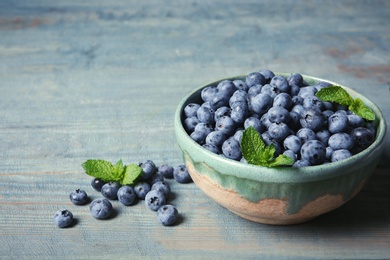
[{"x": 101, "y": 79}]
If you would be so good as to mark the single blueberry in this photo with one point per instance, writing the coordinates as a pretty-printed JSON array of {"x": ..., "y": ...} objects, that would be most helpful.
[
  {"x": 63, "y": 218},
  {"x": 97, "y": 184},
  {"x": 294, "y": 90},
  {"x": 148, "y": 168},
  {"x": 222, "y": 111},
  {"x": 190, "y": 123},
  {"x": 312, "y": 119},
  {"x": 280, "y": 83},
  {"x": 198, "y": 137},
  {"x": 162, "y": 186},
  {"x": 283, "y": 100},
  {"x": 208, "y": 92},
  {"x": 190, "y": 109},
  {"x": 294, "y": 122},
  {"x": 240, "y": 85},
  {"x": 267, "y": 74},
  {"x": 313, "y": 151},
  {"x": 101, "y": 208},
  {"x": 261, "y": 103},
  {"x": 154, "y": 199},
  {"x": 165, "y": 170},
  {"x": 238, "y": 135},
  {"x": 307, "y": 91},
  {"x": 362, "y": 138},
  {"x": 301, "y": 163},
  {"x": 272, "y": 91},
  {"x": 265, "y": 121},
  {"x": 313, "y": 102},
  {"x": 227, "y": 87},
  {"x": 181, "y": 174},
  {"x": 226, "y": 125},
  {"x": 126, "y": 195},
  {"x": 78, "y": 197},
  {"x": 205, "y": 115},
  {"x": 212, "y": 148},
  {"x": 329, "y": 152},
  {"x": 355, "y": 121},
  {"x": 215, "y": 138},
  {"x": 167, "y": 215},
  {"x": 296, "y": 100},
  {"x": 299, "y": 109},
  {"x": 110, "y": 190},
  {"x": 239, "y": 112},
  {"x": 340, "y": 155},
  {"x": 255, "y": 78},
  {"x": 156, "y": 177},
  {"x": 306, "y": 134},
  {"x": 220, "y": 99},
  {"x": 255, "y": 123},
  {"x": 238, "y": 96},
  {"x": 231, "y": 149},
  {"x": 278, "y": 115},
  {"x": 141, "y": 189},
  {"x": 323, "y": 136},
  {"x": 278, "y": 131},
  {"x": 296, "y": 79},
  {"x": 293, "y": 143},
  {"x": 339, "y": 141},
  {"x": 254, "y": 90},
  {"x": 203, "y": 127},
  {"x": 337, "y": 122}
]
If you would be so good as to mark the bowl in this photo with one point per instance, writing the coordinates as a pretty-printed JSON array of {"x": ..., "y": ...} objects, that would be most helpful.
[{"x": 284, "y": 195}]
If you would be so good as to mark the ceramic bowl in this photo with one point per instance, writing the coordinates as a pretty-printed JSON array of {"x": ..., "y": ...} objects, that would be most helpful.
[{"x": 278, "y": 196}]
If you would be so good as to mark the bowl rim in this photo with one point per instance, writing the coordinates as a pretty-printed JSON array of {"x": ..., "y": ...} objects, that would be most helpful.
[{"x": 281, "y": 174}]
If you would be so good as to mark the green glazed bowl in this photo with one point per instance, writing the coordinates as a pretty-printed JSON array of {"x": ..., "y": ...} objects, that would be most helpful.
[{"x": 278, "y": 196}]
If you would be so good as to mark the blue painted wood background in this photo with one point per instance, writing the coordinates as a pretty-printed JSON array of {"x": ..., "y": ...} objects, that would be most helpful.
[{"x": 102, "y": 79}]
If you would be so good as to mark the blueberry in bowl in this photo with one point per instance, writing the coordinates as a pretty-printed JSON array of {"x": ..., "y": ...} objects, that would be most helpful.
[{"x": 279, "y": 148}]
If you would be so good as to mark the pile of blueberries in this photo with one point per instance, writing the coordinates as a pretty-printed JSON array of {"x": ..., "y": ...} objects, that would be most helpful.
[
  {"x": 285, "y": 112},
  {"x": 153, "y": 188}
]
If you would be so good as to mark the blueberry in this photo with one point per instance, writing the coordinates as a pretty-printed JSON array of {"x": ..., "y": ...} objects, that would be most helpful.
[
  {"x": 97, "y": 184},
  {"x": 295, "y": 79},
  {"x": 222, "y": 111},
  {"x": 313, "y": 102},
  {"x": 337, "y": 122},
  {"x": 141, "y": 189},
  {"x": 278, "y": 131},
  {"x": 190, "y": 123},
  {"x": 198, "y": 137},
  {"x": 362, "y": 138},
  {"x": 205, "y": 115},
  {"x": 227, "y": 87},
  {"x": 238, "y": 135},
  {"x": 231, "y": 149},
  {"x": 167, "y": 215},
  {"x": 181, "y": 174},
  {"x": 280, "y": 83},
  {"x": 154, "y": 199},
  {"x": 148, "y": 168},
  {"x": 290, "y": 154},
  {"x": 162, "y": 186},
  {"x": 307, "y": 91},
  {"x": 78, "y": 197},
  {"x": 272, "y": 91},
  {"x": 238, "y": 96},
  {"x": 323, "y": 136},
  {"x": 240, "y": 85},
  {"x": 299, "y": 109},
  {"x": 126, "y": 195},
  {"x": 306, "y": 134},
  {"x": 294, "y": 122},
  {"x": 226, "y": 125},
  {"x": 254, "y": 91},
  {"x": 294, "y": 89},
  {"x": 239, "y": 112},
  {"x": 329, "y": 152},
  {"x": 301, "y": 163},
  {"x": 340, "y": 141},
  {"x": 190, "y": 109},
  {"x": 216, "y": 138},
  {"x": 355, "y": 121},
  {"x": 283, "y": 100},
  {"x": 297, "y": 100},
  {"x": 212, "y": 148},
  {"x": 101, "y": 208},
  {"x": 278, "y": 115},
  {"x": 255, "y": 78},
  {"x": 203, "y": 127},
  {"x": 293, "y": 143},
  {"x": 265, "y": 121},
  {"x": 156, "y": 177},
  {"x": 255, "y": 123},
  {"x": 208, "y": 93},
  {"x": 165, "y": 170},
  {"x": 63, "y": 218},
  {"x": 312, "y": 119},
  {"x": 340, "y": 155},
  {"x": 313, "y": 151},
  {"x": 261, "y": 103},
  {"x": 110, "y": 190},
  {"x": 267, "y": 74}
]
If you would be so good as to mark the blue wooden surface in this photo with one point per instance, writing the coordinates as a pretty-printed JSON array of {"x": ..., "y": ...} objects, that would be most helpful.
[{"x": 101, "y": 79}]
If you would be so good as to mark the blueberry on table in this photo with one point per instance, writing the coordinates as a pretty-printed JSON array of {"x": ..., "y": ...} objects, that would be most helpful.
[
  {"x": 181, "y": 174},
  {"x": 167, "y": 215},
  {"x": 78, "y": 197},
  {"x": 63, "y": 218},
  {"x": 97, "y": 184},
  {"x": 126, "y": 195},
  {"x": 155, "y": 199},
  {"x": 110, "y": 190},
  {"x": 148, "y": 169},
  {"x": 165, "y": 170},
  {"x": 101, "y": 208},
  {"x": 141, "y": 189},
  {"x": 162, "y": 186}
]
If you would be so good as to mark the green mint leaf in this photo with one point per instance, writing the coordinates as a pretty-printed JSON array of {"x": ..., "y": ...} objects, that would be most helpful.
[
  {"x": 99, "y": 169},
  {"x": 252, "y": 146},
  {"x": 335, "y": 94},
  {"x": 256, "y": 152},
  {"x": 281, "y": 160},
  {"x": 131, "y": 173},
  {"x": 118, "y": 171},
  {"x": 360, "y": 109}
]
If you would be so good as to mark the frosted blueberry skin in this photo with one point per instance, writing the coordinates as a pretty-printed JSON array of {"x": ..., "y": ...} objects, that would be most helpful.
[
  {"x": 154, "y": 199},
  {"x": 78, "y": 197},
  {"x": 162, "y": 186},
  {"x": 181, "y": 175},
  {"x": 97, "y": 184},
  {"x": 165, "y": 170},
  {"x": 141, "y": 189},
  {"x": 148, "y": 169},
  {"x": 314, "y": 152},
  {"x": 101, "y": 208},
  {"x": 126, "y": 195},
  {"x": 167, "y": 215},
  {"x": 63, "y": 218},
  {"x": 110, "y": 190}
]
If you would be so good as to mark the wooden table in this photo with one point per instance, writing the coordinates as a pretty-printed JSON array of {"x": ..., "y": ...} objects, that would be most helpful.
[{"x": 102, "y": 79}]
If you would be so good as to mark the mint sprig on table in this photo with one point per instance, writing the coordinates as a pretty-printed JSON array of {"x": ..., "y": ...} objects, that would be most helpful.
[
  {"x": 256, "y": 152},
  {"x": 339, "y": 95},
  {"x": 106, "y": 171}
]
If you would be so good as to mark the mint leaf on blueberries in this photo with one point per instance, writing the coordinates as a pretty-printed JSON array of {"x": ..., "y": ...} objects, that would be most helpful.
[
  {"x": 132, "y": 172},
  {"x": 107, "y": 172},
  {"x": 339, "y": 95},
  {"x": 256, "y": 152}
]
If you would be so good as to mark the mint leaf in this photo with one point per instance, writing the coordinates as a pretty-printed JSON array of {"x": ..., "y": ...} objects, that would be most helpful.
[
  {"x": 100, "y": 169},
  {"x": 339, "y": 95},
  {"x": 131, "y": 173},
  {"x": 252, "y": 146},
  {"x": 118, "y": 170},
  {"x": 256, "y": 152},
  {"x": 335, "y": 94}
]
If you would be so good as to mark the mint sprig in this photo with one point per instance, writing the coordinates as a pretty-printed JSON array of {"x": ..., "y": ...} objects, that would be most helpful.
[
  {"x": 341, "y": 96},
  {"x": 256, "y": 152},
  {"x": 107, "y": 172}
]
